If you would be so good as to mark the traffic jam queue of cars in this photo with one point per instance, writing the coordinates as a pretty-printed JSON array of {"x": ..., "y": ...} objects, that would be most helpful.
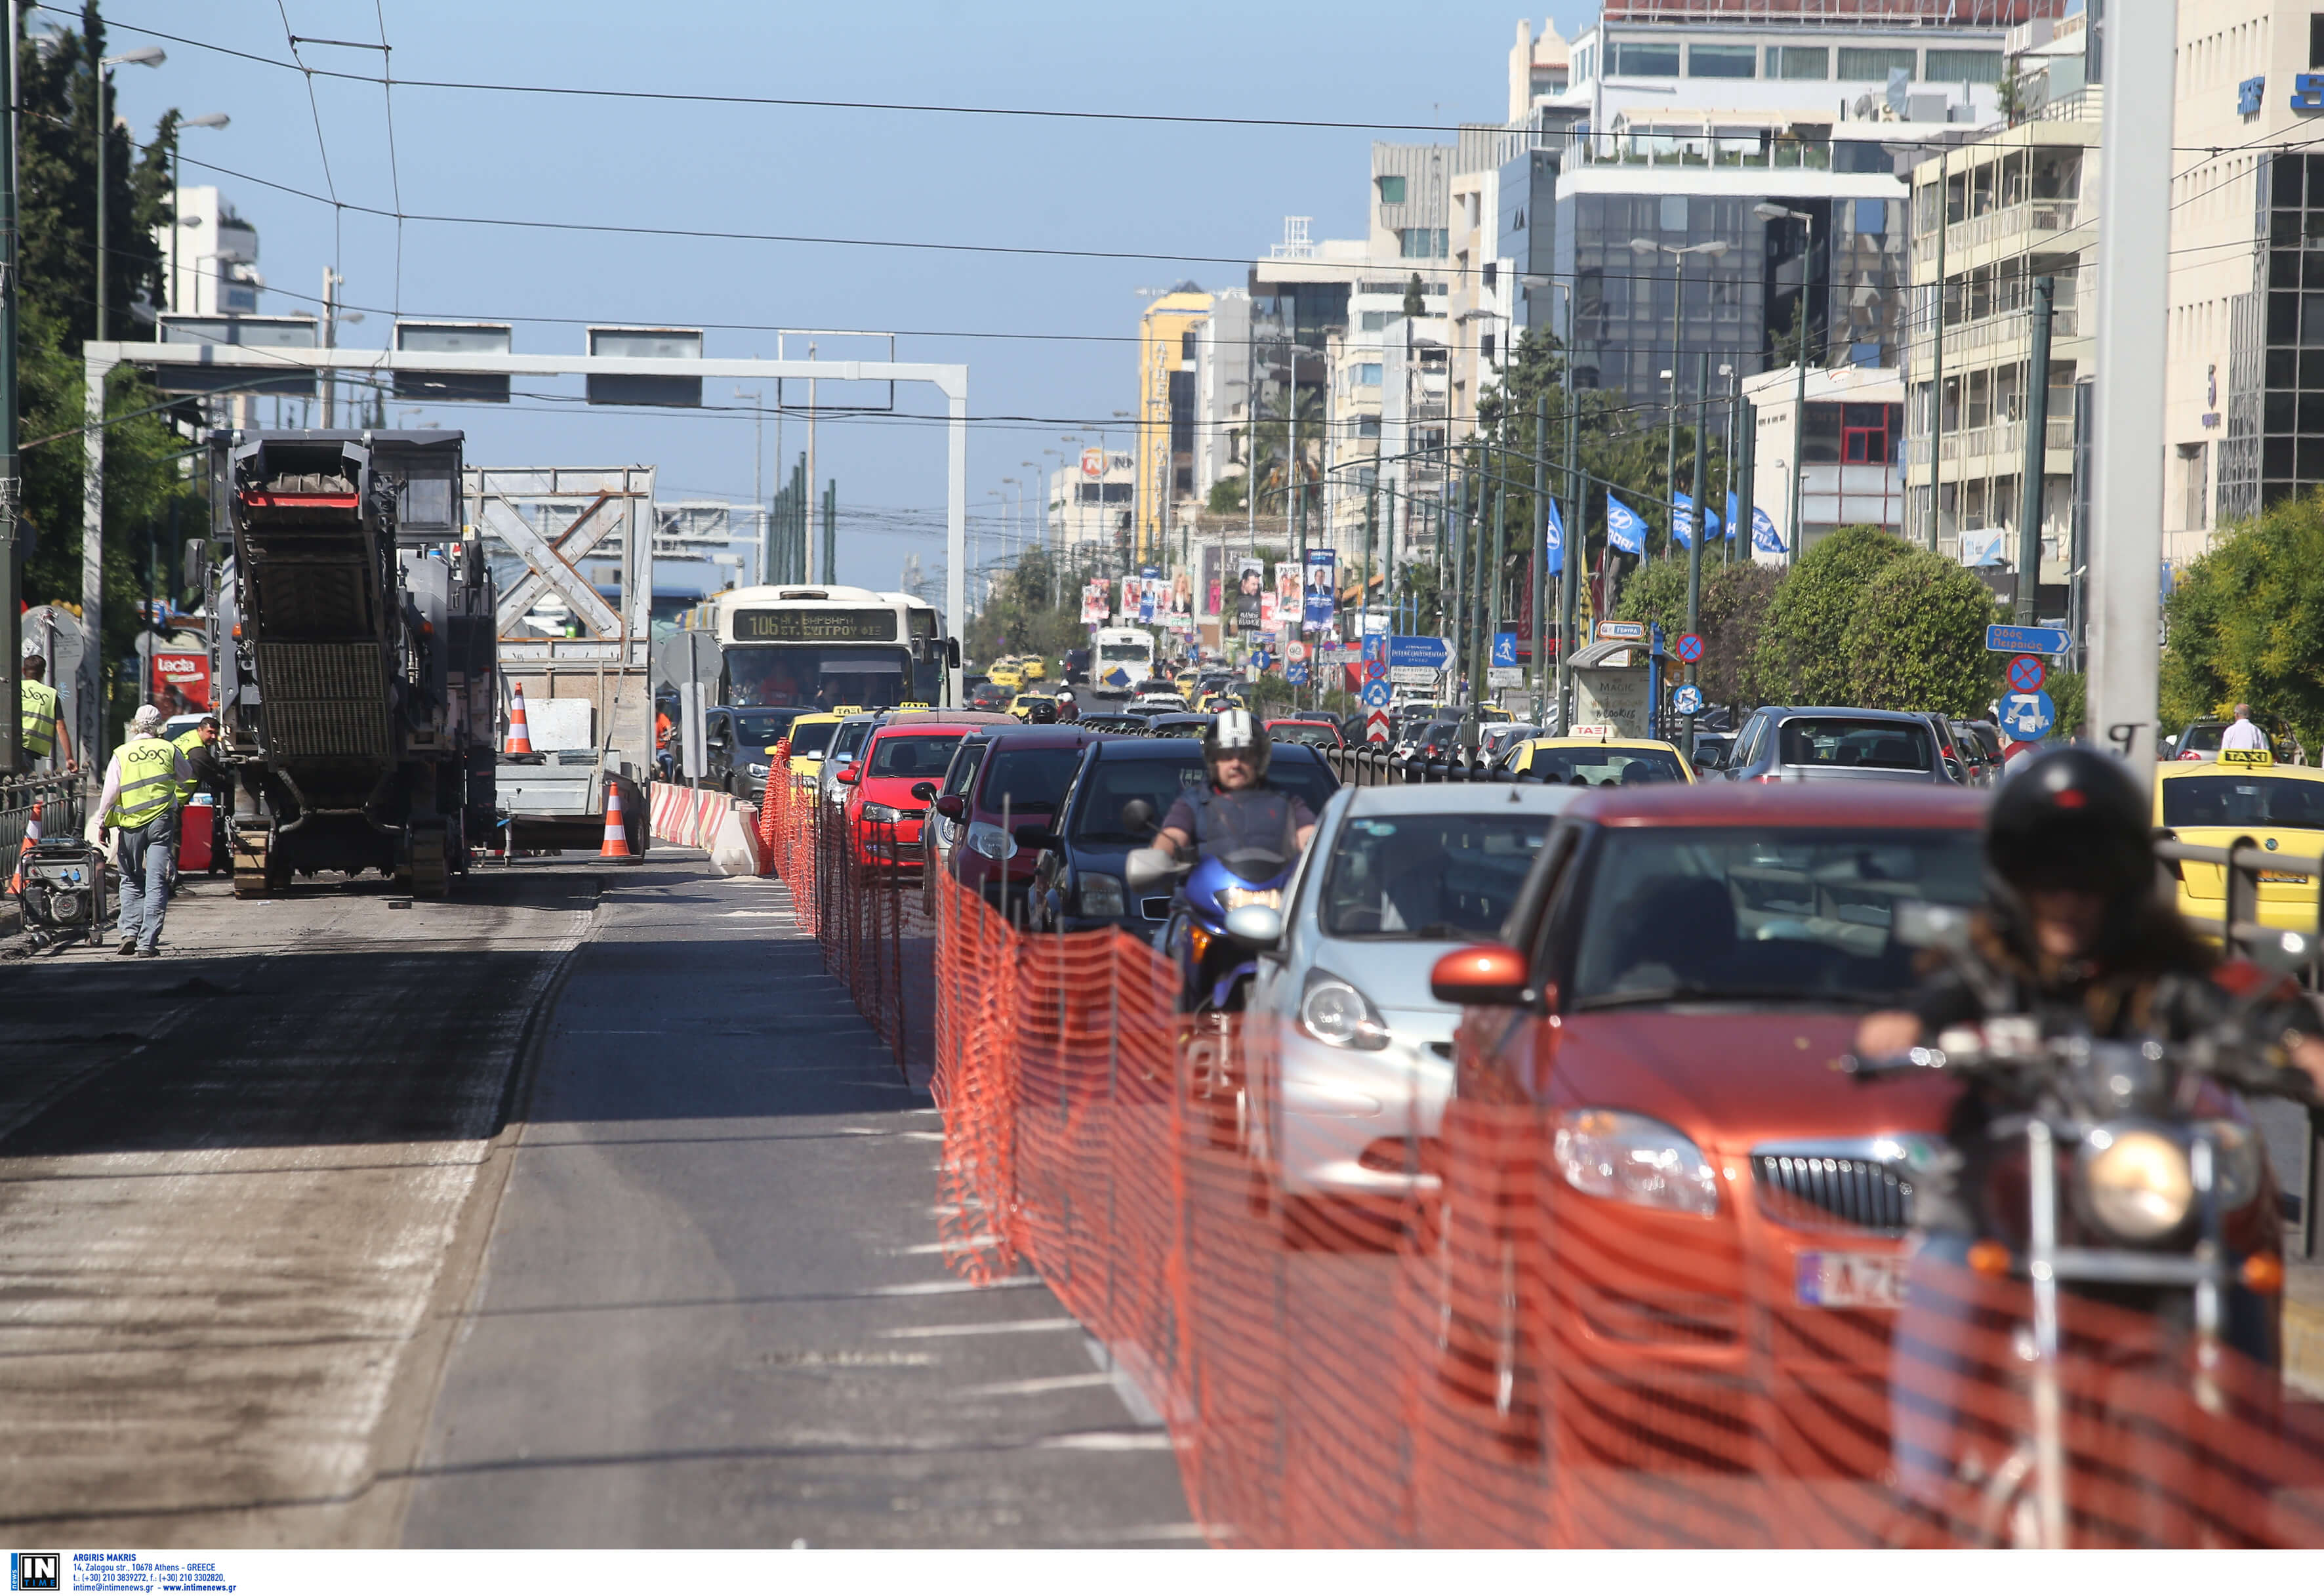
[{"x": 1662, "y": 970}]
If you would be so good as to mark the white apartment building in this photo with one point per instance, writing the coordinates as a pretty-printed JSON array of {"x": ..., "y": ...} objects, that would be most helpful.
[
  {"x": 1090, "y": 499},
  {"x": 1222, "y": 369},
  {"x": 210, "y": 258}
]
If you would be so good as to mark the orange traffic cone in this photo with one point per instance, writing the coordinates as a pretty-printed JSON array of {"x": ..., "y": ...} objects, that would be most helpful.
[
  {"x": 520, "y": 736},
  {"x": 32, "y": 836},
  {"x": 616, "y": 844}
]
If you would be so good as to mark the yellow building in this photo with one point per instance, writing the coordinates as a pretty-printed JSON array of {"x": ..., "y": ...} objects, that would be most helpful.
[{"x": 1166, "y": 414}]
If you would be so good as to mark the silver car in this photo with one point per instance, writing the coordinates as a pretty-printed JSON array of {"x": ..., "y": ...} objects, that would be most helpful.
[
  {"x": 1782, "y": 743},
  {"x": 1352, "y": 1057}
]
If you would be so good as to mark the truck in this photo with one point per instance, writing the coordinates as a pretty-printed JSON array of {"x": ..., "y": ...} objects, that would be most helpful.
[{"x": 357, "y": 687}]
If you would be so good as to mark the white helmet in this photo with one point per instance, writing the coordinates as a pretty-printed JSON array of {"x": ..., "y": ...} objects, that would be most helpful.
[{"x": 1237, "y": 731}]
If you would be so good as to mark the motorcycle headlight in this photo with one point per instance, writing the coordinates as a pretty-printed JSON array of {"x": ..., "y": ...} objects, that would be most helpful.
[
  {"x": 1631, "y": 1159},
  {"x": 1233, "y": 898},
  {"x": 991, "y": 842},
  {"x": 1103, "y": 895},
  {"x": 1333, "y": 1010},
  {"x": 882, "y": 814},
  {"x": 2138, "y": 1182}
]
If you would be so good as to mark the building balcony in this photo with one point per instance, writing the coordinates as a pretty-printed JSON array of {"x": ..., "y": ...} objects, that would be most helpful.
[
  {"x": 2032, "y": 227},
  {"x": 2002, "y": 441}
]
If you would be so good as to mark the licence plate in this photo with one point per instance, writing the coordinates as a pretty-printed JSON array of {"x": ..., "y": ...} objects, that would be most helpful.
[
  {"x": 1850, "y": 1280},
  {"x": 2284, "y": 877}
]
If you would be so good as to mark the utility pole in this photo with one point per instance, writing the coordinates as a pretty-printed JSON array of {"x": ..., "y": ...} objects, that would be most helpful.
[
  {"x": 1577, "y": 542},
  {"x": 1539, "y": 569},
  {"x": 830, "y": 530},
  {"x": 1745, "y": 472},
  {"x": 807, "y": 544},
  {"x": 1701, "y": 521},
  {"x": 2037, "y": 429},
  {"x": 1937, "y": 362},
  {"x": 12, "y": 752},
  {"x": 332, "y": 284}
]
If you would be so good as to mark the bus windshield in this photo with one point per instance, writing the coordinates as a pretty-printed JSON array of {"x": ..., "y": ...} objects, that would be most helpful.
[
  {"x": 810, "y": 676},
  {"x": 1125, "y": 650}
]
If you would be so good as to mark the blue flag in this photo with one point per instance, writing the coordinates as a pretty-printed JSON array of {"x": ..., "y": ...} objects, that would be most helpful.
[
  {"x": 1556, "y": 540},
  {"x": 1763, "y": 536},
  {"x": 1717, "y": 528},
  {"x": 1626, "y": 530},
  {"x": 1682, "y": 519},
  {"x": 1731, "y": 522}
]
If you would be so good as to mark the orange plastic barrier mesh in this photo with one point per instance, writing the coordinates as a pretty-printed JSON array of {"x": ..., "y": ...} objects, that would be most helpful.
[{"x": 1493, "y": 1359}]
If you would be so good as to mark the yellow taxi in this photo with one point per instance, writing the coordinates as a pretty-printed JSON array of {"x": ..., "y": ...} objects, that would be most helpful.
[
  {"x": 2245, "y": 793},
  {"x": 1600, "y": 761},
  {"x": 1005, "y": 673},
  {"x": 810, "y": 736},
  {"x": 1022, "y": 706},
  {"x": 1033, "y": 667},
  {"x": 1186, "y": 684}
]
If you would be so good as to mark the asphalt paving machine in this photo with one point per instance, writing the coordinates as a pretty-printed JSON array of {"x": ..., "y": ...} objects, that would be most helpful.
[{"x": 357, "y": 684}]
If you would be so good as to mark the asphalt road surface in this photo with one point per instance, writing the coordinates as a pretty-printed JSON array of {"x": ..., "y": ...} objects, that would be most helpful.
[{"x": 581, "y": 1209}]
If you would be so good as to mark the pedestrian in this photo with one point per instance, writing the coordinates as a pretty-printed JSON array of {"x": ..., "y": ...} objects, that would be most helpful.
[
  {"x": 40, "y": 721},
  {"x": 140, "y": 800},
  {"x": 199, "y": 745},
  {"x": 2241, "y": 733}
]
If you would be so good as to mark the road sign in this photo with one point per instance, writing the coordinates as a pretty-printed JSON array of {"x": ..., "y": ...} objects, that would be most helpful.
[
  {"x": 1296, "y": 652},
  {"x": 1505, "y": 676},
  {"x": 1375, "y": 726},
  {"x": 1505, "y": 649},
  {"x": 1690, "y": 647},
  {"x": 1688, "y": 699},
  {"x": 1295, "y": 673},
  {"x": 1376, "y": 670},
  {"x": 1377, "y": 695},
  {"x": 2028, "y": 716},
  {"x": 1413, "y": 675},
  {"x": 1262, "y": 659},
  {"x": 2027, "y": 639},
  {"x": 1434, "y": 652},
  {"x": 2026, "y": 674},
  {"x": 1620, "y": 632}
]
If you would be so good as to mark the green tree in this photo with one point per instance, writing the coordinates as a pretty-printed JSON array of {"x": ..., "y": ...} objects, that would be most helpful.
[
  {"x": 1732, "y": 613},
  {"x": 1915, "y": 638},
  {"x": 1802, "y": 657},
  {"x": 1416, "y": 302},
  {"x": 2244, "y": 623}
]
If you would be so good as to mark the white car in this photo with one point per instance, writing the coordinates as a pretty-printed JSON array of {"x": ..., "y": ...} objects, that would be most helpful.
[
  {"x": 1157, "y": 703},
  {"x": 1351, "y": 1054}
]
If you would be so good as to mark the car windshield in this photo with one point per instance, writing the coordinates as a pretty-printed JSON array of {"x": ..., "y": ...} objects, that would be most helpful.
[
  {"x": 2202, "y": 739},
  {"x": 1027, "y": 779},
  {"x": 758, "y": 730},
  {"x": 1676, "y": 915},
  {"x": 1180, "y": 728},
  {"x": 922, "y": 756},
  {"x": 1428, "y": 877},
  {"x": 1606, "y": 767},
  {"x": 1833, "y": 743},
  {"x": 2242, "y": 800},
  {"x": 851, "y": 737},
  {"x": 1312, "y": 736},
  {"x": 812, "y": 738}
]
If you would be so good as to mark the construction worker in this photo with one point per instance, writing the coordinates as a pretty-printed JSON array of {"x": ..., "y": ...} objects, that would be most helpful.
[
  {"x": 42, "y": 723},
  {"x": 141, "y": 784},
  {"x": 209, "y": 775}
]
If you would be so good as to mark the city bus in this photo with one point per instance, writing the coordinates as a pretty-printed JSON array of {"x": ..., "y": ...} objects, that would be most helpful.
[
  {"x": 1123, "y": 660},
  {"x": 818, "y": 648}
]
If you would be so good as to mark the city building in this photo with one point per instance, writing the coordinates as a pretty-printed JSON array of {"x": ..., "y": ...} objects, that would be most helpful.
[
  {"x": 1221, "y": 391},
  {"x": 1092, "y": 498},
  {"x": 1850, "y": 444},
  {"x": 1166, "y": 335},
  {"x": 209, "y": 258}
]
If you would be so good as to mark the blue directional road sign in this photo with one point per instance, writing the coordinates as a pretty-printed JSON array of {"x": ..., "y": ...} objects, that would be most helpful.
[
  {"x": 1504, "y": 648},
  {"x": 1377, "y": 695},
  {"x": 1262, "y": 659},
  {"x": 1427, "y": 653},
  {"x": 2028, "y": 716},
  {"x": 2027, "y": 639},
  {"x": 1295, "y": 673},
  {"x": 1688, "y": 699}
]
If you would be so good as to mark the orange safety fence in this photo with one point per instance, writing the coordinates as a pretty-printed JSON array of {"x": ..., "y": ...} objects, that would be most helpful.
[{"x": 1475, "y": 1353}]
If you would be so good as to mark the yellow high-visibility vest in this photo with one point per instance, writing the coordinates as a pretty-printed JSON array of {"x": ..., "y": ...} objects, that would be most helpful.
[
  {"x": 149, "y": 782},
  {"x": 40, "y": 705},
  {"x": 186, "y": 743}
]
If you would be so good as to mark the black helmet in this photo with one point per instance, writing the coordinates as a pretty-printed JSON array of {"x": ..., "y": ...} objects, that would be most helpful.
[
  {"x": 1236, "y": 730},
  {"x": 2071, "y": 818}
]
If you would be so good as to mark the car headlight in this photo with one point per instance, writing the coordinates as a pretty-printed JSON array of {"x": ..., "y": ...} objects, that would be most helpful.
[
  {"x": 882, "y": 814},
  {"x": 758, "y": 771},
  {"x": 2138, "y": 1182},
  {"x": 1103, "y": 895},
  {"x": 990, "y": 840},
  {"x": 1631, "y": 1159},
  {"x": 1333, "y": 1010}
]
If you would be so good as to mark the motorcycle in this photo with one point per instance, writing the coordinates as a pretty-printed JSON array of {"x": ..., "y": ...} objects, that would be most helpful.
[{"x": 2105, "y": 1342}]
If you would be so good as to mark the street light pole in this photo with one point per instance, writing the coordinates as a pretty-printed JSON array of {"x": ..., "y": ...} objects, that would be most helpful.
[
  {"x": 148, "y": 57},
  {"x": 1647, "y": 246},
  {"x": 1768, "y": 210}
]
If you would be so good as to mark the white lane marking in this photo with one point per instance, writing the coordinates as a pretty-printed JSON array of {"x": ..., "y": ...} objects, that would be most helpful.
[
  {"x": 999, "y": 1327},
  {"x": 1031, "y": 1387},
  {"x": 758, "y": 913},
  {"x": 1109, "y": 1441},
  {"x": 924, "y": 1248},
  {"x": 950, "y": 1287}
]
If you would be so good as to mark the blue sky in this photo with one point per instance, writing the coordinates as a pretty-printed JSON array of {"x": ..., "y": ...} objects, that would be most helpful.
[{"x": 1200, "y": 191}]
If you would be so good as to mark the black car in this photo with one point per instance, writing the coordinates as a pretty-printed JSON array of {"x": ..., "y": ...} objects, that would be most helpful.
[
  {"x": 1178, "y": 726},
  {"x": 1077, "y": 879},
  {"x": 734, "y": 743}
]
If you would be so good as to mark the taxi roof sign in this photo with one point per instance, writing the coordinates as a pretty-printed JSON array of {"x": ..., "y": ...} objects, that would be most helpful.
[{"x": 2246, "y": 756}]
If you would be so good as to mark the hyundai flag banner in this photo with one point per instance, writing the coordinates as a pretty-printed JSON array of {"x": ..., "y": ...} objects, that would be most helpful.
[
  {"x": 1682, "y": 519},
  {"x": 1556, "y": 540},
  {"x": 1731, "y": 522},
  {"x": 1763, "y": 536},
  {"x": 1322, "y": 587},
  {"x": 1626, "y": 530}
]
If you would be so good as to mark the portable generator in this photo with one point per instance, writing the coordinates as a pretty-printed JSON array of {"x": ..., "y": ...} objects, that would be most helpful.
[{"x": 63, "y": 892}]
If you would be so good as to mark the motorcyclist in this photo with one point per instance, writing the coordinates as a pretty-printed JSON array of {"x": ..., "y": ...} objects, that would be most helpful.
[
  {"x": 1237, "y": 809},
  {"x": 2082, "y": 938}
]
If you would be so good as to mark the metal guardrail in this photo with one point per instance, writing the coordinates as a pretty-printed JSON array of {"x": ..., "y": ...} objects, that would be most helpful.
[{"x": 63, "y": 811}]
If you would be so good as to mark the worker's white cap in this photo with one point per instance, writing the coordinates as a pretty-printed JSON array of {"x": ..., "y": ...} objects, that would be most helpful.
[{"x": 147, "y": 719}]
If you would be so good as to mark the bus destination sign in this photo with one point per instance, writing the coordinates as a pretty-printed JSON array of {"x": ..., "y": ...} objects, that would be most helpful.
[{"x": 815, "y": 626}]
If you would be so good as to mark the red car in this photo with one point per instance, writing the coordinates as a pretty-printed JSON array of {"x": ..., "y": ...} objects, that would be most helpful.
[
  {"x": 1694, "y": 1222},
  {"x": 1322, "y": 735},
  {"x": 885, "y": 815},
  {"x": 1003, "y": 789}
]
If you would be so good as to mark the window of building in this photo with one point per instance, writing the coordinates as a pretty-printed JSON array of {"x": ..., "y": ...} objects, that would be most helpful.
[
  {"x": 1367, "y": 374},
  {"x": 2315, "y": 40},
  {"x": 1722, "y": 60},
  {"x": 1391, "y": 190},
  {"x": 1485, "y": 347},
  {"x": 1187, "y": 344},
  {"x": 1799, "y": 62},
  {"x": 1863, "y": 433},
  {"x": 1368, "y": 426},
  {"x": 1585, "y": 61},
  {"x": 1961, "y": 66},
  {"x": 1820, "y": 435},
  {"x": 1492, "y": 273},
  {"x": 1633, "y": 59},
  {"x": 2056, "y": 174},
  {"x": 2194, "y": 479},
  {"x": 1873, "y": 66},
  {"x": 1423, "y": 244},
  {"x": 1374, "y": 321}
]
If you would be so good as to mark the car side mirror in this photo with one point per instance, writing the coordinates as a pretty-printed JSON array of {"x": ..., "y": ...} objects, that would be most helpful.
[
  {"x": 1489, "y": 974},
  {"x": 925, "y": 791},
  {"x": 953, "y": 806},
  {"x": 851, "y": 774},
  {"x": 1255, "y": 925}
]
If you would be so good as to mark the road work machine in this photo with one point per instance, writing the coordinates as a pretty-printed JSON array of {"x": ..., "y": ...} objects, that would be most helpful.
[{"x": 358, "y": 694}]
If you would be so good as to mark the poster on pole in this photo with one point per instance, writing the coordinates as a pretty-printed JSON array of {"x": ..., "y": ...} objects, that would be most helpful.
[
  {"x": 1149, "y": 592},
  {"x": 1270, "y": 614},
  {"x": 1093, "y": 604},
  {"x": 1250, "y": 588},
  {"x": 1322, "y": 587},
  {"x": 1130, "y": 587},
  {"x": 1287, "y": 592}
]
